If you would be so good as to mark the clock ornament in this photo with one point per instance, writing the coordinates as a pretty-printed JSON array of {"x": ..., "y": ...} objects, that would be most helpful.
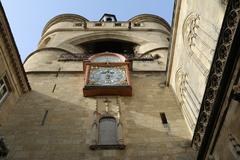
[{"x": 107, "y": 74}]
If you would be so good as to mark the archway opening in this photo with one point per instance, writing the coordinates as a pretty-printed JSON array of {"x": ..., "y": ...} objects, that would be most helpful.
[{"x": 109, "y": 45}]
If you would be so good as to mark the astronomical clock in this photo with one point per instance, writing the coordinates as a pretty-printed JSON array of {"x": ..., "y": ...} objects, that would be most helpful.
[{"x": 107, "y": 74}]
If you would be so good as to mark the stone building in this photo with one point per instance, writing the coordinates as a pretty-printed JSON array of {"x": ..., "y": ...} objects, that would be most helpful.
[
  {"x": 13, "y": 80},
  {"x": 135, "y": 89}
]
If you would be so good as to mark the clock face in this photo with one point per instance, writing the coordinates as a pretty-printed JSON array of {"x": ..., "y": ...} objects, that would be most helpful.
[{"x": 107, "y": 76}]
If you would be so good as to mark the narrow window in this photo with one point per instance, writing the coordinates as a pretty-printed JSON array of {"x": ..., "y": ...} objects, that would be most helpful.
[
  {"x": 118, "y": 24},
  {"x": 3, "y": 88},
  {"x": 98, "y": 24},
  {"x": 109, "y": 19},
  {"x": 163, "y": 117},
  {"x": 107, "y": 134},
  {"x": 108, "y": 131}
]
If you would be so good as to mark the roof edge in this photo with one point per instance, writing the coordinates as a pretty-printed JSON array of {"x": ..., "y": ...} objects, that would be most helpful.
[
  {"x": 62, "y": 18},
  {"x": 151, "y": 18}
]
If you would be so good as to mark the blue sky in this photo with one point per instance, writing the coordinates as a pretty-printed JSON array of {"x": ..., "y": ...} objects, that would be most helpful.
[{"x": 28, "y": 17}]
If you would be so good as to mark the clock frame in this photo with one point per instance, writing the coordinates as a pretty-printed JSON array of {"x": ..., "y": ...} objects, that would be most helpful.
[{"x": 107, "y": 74}]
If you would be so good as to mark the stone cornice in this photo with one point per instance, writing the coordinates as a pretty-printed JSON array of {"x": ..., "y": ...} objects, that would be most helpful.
[
  {"x": 78, "y": 18},
  {"x": 12, "y": 52}
]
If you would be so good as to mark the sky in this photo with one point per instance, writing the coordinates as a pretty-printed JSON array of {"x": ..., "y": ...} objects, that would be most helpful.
[{"x": 27, "y": 18}]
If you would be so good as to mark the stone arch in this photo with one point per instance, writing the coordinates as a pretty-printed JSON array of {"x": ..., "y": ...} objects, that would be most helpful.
[
  {"x": 104, "y": 35},
  {"x": 199, "y": 39},
  {"x": 180, "y": 78},
  {"x": 189, "y": 33},
  {"x": 186, "y": 97},
  {"x": 45, "y": 42},
  {"x": 77, "y": 41},
  {"x": 150, "y": 18}
]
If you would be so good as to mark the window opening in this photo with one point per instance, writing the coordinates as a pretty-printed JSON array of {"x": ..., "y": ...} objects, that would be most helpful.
[
  {"x": 109, "y": 19},
  {"x": 108, "y": 131},
  {"x": 3, "y": 88}
]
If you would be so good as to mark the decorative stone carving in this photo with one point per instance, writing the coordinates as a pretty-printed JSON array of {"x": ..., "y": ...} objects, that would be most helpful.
[
  {"x": 198, "y": 43},
  {"x": 229, "y": 27},
  {"x": 235, "y": 145},
  {"x": 11, "y": 50},
  {"x": 190, "y": 28},
  {"x": 84, "y": 56},
  {"x": 188, "y": 99},
  {"x": 73, "y": 57},
  {"x": 107, "y": 107},
  {"x": 180, "y": 78}
]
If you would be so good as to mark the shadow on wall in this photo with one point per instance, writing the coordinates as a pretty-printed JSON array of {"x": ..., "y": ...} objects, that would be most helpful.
[{"x": 49, "y": 127}]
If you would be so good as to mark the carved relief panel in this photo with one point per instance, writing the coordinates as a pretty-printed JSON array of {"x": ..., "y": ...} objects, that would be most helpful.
[
  {"x": 199, "y": 38},
  {"x": 107, "y": 132},
  {"x": 188, "y": 100}
]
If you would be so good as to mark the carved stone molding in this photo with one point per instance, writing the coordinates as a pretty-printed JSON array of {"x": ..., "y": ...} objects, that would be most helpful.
[
  {"x": 234, "y": 145},
  {"x": 84, "y": 56},
  {"x": 187, "y": 98},
  {"x": 198, "y": 43},
  {"x": 229, "y": 27},
  {"x": 191, "y": 40},
  {"x": 107, "y": 106},
  {"x": 190, "y": 28},
  {"x": 180, "y": 78},
  {"x": 12, "y": 53}
]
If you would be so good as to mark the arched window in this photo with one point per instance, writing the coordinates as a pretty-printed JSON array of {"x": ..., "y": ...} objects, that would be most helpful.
[
  {"x": 107, "y": 131},
  {"x": 107, "y": 134},
  {"x": 4, "y": 88}
]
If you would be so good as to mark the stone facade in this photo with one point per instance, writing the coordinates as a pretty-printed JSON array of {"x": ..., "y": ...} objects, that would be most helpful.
[
  {"x": 218, "y": 117},
  {"x": 201, "y": 69},
  {"x": 66, "y": 131},
  {"x": 61, "y": 123},
  {"x": 193, "y": 43},
  {"x": 13, "y": 81},
  {"x": 11, "y": 69}
]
